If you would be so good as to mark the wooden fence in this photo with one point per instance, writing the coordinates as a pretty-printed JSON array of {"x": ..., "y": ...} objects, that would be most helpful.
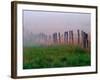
[
  {"x": 78, "y": 37},
  {"x": 81, "y": 38}
]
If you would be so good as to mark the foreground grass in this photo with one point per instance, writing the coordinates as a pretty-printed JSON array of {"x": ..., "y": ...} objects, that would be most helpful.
[{"x": 55, "y": 56}]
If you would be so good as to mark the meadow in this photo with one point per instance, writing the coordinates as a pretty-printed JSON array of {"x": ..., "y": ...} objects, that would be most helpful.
[{"x": 55, "y": 56}]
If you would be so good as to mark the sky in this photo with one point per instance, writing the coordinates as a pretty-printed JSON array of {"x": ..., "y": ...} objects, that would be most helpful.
[{"x": 48, "y": 22}]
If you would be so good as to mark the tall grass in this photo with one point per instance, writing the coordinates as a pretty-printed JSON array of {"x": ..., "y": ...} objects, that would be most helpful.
[{"x": 55, "y": 56}]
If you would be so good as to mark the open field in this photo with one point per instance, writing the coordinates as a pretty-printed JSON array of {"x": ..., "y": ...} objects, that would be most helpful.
[{"x": 55, "y": 56}]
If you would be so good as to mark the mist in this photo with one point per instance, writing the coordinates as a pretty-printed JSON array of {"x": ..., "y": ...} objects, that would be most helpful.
[{"x": 48, "y": 22}]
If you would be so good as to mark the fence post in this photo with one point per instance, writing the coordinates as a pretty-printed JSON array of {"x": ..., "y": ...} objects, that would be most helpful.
[
  {"x": 55, "y": 38},
  {"x": 72, "y": 37},
  {"x": 82, "y": 35},
  {"x": 84, "y": 39},
  {"x": 69, "y": 37},
  {"x": 59, "y": 37},
  {"x": 66, "y": 37},
  {"x": 78, "y": 36}
]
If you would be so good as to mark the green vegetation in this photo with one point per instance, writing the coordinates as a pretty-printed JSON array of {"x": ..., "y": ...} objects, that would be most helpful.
[{"x": 55, "y": 56}]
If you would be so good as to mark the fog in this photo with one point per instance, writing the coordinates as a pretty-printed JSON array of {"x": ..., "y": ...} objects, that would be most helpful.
[{"x": 36, "y": 22}]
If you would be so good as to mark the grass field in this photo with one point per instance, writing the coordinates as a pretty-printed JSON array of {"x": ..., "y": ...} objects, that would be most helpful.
[{"x": 55, "y": 56}]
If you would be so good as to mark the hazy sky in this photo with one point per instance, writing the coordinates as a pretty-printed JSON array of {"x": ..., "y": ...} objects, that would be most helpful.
[{"x": 50, "y": 22}]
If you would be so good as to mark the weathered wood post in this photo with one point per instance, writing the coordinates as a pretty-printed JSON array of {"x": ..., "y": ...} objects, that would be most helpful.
[
  {"x": 59, "y": 37},
  {"x": 55, "y": 38},
  {"x": 87, "y": 41},
  {"x": 72, "y": 38},
  {"x": 69, "y": 37},
  {"x": 84, "y": 39},
  {"x": 66, "y": 37},
  {"x": 78, "y": 36}
]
